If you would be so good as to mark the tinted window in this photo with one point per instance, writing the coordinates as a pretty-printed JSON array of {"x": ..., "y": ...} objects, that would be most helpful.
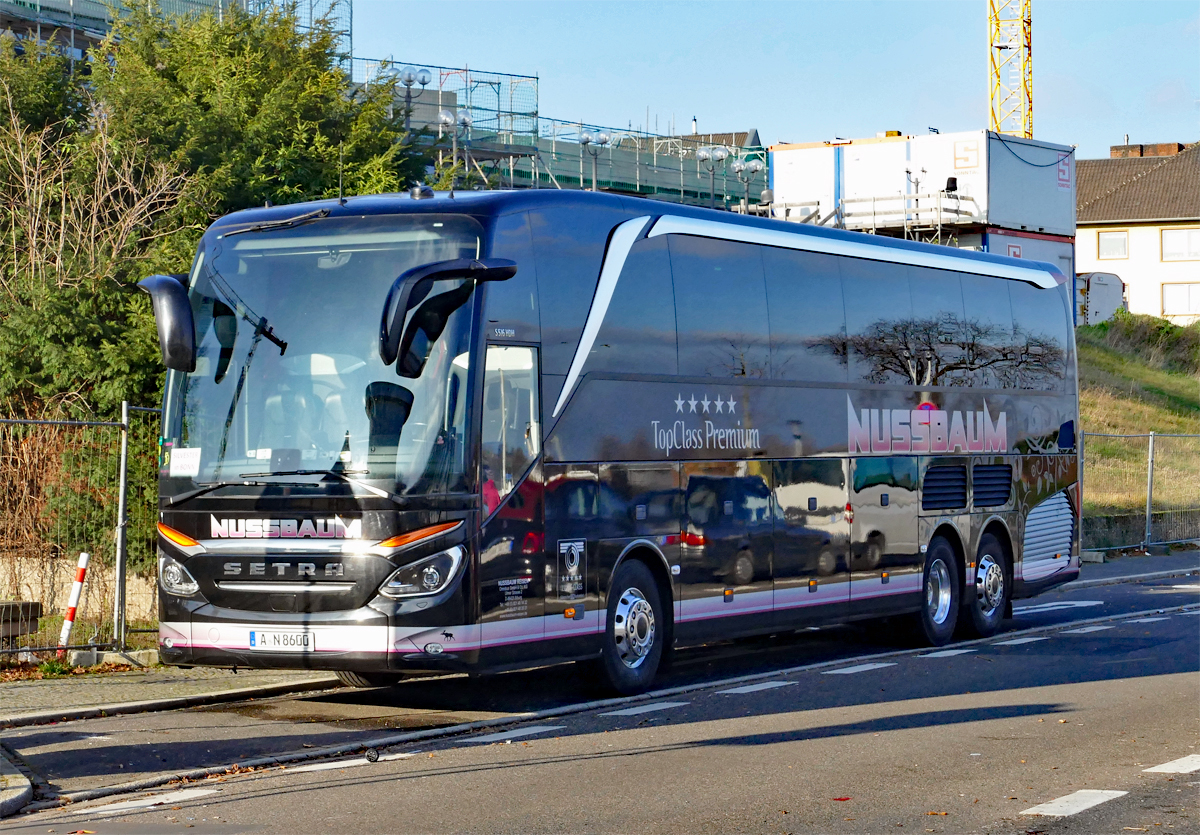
[
  {"x": 721, "y": 308},
  {"x": 638, "y": 334},
  {"x": 879, "y": 316},
  {"x": 807, "y": 316},
  {"x": 988, "y": 332},
  {"x": 1041, "y": 338},
  {"x": 512, "y": 304},
  {"x": 937, "y": 330},
  {"x": 569, "y": 247}
]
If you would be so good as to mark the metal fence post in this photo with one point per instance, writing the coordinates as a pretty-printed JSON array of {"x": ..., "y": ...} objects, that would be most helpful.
[
  {"x": 1149, "y": 488},
  {"x": 122, "y": 523}
]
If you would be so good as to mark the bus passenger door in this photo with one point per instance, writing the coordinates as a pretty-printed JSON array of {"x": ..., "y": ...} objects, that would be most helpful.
[
  {"x": 812, "y": 541},
  {"x": 512, "y": 540},
  {"x": 725, "y": 552},
  {"x": 885, "y": 560}
]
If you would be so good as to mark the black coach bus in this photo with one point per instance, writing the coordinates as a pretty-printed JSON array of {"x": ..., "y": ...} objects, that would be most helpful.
[{"x": 496, "y": 429}]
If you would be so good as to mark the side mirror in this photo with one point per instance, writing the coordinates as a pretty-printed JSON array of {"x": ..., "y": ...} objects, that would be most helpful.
[
  {"x": 173, "y": 316},
  {"x": 412, "y": 286}
]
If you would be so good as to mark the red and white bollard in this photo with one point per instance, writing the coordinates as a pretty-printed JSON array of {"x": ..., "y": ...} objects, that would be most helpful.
[{"x": 64, "y": 637}]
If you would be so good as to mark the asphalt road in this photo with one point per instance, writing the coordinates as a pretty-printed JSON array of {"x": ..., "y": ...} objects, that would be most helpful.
[{"x": 965, "y": 740}]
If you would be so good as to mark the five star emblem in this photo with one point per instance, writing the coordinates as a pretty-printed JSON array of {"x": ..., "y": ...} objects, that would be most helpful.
[{"x": 705, "y": 404}]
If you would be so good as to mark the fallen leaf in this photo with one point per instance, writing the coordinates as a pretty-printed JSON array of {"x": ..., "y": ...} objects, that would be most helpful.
[
  {"x": 82, "y": 832},
  {"x": 841, "y": 798},
  {"x": 1062, "y": 721},
  {"x": 937, "y": 813}
]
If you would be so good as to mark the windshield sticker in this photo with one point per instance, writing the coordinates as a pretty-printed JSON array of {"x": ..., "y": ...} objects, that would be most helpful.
[
  {"x": 925, "y": 429},
  {"x": 703, "y": 433},
  {"x": 184, "y": 462},
  {"x": 335, "y": 528}
]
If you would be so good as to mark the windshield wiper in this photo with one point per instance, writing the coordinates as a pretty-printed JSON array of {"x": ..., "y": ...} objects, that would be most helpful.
[
  {"x": 180, "y": 498},
  {"x": 341, "y": 476},
  {"x": 286, "y": 223}
]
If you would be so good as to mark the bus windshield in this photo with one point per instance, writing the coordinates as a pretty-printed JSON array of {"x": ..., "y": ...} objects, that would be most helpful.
[{"x": 288, "y": 377}]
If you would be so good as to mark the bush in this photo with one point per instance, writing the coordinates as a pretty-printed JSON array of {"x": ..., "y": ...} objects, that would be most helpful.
[{"x": 1157, "y": 342}]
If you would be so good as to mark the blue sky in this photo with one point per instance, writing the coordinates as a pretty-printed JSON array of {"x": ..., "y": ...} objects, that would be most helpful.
[{"x": 805, "y": 71}]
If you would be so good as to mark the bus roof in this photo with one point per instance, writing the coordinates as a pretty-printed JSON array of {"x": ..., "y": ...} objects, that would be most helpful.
[{"x": 671, "y": 218}]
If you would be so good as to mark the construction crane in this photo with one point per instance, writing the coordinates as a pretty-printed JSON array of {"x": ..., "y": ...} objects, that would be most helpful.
[{"x": 1010, "y": 64}]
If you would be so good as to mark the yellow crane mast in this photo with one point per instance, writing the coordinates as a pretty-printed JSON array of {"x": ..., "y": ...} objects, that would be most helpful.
[{"x": 1010, "y": 63}]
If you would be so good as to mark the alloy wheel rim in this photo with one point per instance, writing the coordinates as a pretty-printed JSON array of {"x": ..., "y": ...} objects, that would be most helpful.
[
  {"x": 633, "y": 628},
  {"x": 938, "y": 593},
  {"x": 989, "y": 584}
]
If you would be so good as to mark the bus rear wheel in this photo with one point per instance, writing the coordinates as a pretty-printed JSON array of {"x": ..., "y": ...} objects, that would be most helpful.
[
  {"x": 939, "y": 593},
  {"x": 988, "y": 600},
  {"x": 635, "y": 631},
  {"x": 367, "y": 679}
]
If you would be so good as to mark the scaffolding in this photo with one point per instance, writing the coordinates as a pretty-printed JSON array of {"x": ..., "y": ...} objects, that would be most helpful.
[{"x": 338, "y": 13}]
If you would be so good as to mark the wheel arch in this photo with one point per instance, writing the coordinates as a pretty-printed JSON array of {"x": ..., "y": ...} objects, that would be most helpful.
[
  {"x": 951, "y": 534},
  {"x": 998, "y": 528},
  {"x": 646, "y": 552}
]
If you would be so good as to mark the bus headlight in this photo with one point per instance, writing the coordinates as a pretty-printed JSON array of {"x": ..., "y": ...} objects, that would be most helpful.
[
  {"x": 174, "y": 578},
  {"x": 428, "y": 576}
]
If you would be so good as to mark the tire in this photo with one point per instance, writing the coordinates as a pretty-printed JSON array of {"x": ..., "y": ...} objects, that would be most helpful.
[
  {"x": 367, "y": 679},
  {"x": 939, "y": 594},
  {"x": 989, "y": 601},
  {"x": 636, "y": 630}
]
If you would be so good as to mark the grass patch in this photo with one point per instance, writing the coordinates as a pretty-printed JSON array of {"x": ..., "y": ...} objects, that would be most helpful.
[{"x": 1139, "y": 374}]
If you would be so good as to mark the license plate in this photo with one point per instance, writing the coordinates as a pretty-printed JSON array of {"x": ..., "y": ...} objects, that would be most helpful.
[{"x": 277, "y": 641}]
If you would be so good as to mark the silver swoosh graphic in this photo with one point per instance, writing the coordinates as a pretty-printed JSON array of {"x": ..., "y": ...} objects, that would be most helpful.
[{"x": 623, "y": 238}]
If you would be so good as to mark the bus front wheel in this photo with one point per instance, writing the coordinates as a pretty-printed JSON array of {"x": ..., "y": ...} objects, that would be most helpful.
[
  {"x": 939, "y": 593},
  {"x": 635, "y": 631}
]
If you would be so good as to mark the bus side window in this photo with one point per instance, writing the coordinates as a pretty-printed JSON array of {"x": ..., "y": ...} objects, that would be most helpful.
[
  {"x": 989, "y": 326},
  {"x": 807, "y": 315},
  {"x": 721, "y": 308},
  {"x": 879, "y": 322},
  {"x": 511, "y": 436}
]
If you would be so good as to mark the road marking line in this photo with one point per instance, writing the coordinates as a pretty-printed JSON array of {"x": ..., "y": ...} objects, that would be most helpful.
[
  {"x": 1145, "y": 620},
  {"x": 754, "y": 688},
  {"x": 1183, "y": 765},
  {"x": 503, "y": 735},
  {"x": 1191, "y": 612},
  {"x": 147, "y": 802},
  {"x": 1017, "y": 641},
  {"x": 1058, "y": 604},
  {"x": 1074, "y": 803},
  {"x": 1191, "y": 587},
  {"x": 357, "y": 761},
  {"x": 640, "y": 709},
  {"x": 861, "y": 668},
  {"x": 1083, "y": 630},
  {"x": 945, "y": 653}
]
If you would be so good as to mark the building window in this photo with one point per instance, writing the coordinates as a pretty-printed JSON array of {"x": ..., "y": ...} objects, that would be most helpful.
[
  {"x": 1181, "y": 299},
  {"x": 1180, "y": 245},
  {"x": 1114, "y": 245}
]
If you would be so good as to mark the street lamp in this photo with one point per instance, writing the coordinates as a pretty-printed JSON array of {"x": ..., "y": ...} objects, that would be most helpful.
[
  {"x": 458, "y": 125},
  {"x": 710, "y": 158},
  {"x": 745, "y": 172},
  {"x": 600, "y": 140},
  {"x": 408, "y": 77}
]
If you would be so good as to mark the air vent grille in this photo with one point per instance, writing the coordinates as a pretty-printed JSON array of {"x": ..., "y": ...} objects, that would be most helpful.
[
  {"x": 992, "y": 484},
  {"x": 945, "y": 488}
]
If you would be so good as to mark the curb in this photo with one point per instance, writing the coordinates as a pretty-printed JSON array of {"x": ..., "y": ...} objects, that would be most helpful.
[
  {"x": 357, "y": 748},
  {"x": 15, "y": 789},
  {"x": 1129, "y": 578},
  {"x": 174, "y": 703}
]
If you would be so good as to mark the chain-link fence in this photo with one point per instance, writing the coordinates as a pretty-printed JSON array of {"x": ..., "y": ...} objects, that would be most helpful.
[
  {"x": 1140, "y": 489},
  {"x": 65, "y": 487}
]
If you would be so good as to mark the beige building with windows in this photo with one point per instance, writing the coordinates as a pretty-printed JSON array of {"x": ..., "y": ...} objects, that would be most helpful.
[{"x": 1139, "y": 218}]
